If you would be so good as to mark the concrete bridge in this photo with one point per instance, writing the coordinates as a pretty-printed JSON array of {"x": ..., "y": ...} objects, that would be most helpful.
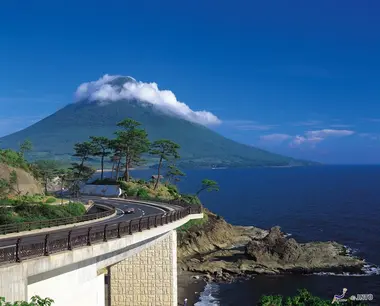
[{"x": 126, "y": 260}]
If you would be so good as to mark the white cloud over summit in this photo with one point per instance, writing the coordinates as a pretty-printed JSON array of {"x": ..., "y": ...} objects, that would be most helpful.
[{"x": 105, "y": 92}]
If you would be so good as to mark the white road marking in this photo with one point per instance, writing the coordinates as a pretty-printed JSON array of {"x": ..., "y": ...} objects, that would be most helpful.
[
  {"x": 7, "y": 246},
  {"x": 138, "y": 203}
]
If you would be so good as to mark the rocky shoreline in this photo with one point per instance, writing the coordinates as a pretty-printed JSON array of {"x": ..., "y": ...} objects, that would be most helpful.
[{"x": 221, "y": 252}]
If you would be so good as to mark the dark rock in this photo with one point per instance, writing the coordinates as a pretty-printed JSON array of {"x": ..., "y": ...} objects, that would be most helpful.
[
  {"x": 291, "y": 251},
  {"x": 274, "y": 247}
]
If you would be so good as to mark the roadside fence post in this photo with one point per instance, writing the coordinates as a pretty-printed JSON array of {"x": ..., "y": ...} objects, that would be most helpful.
[
  {"x": 148, "y": 226},
  {"x": 118, "y": 230},
  {"x": 69, "y": 241},
  {"x": 89, "y": 236},
  {"x": 140, "y": 224},
  {"x": 130, "y": 227},
  {"x": 46, "y": 245},
  {"x": 18, "y": 258},
  {"x": 105, "y": 233}
]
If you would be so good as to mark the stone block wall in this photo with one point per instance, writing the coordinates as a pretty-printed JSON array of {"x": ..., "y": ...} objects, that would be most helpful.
[{"x": 148, "y": 278}]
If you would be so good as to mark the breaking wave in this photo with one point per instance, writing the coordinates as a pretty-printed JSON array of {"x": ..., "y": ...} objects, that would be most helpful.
[
  {"x": 368, "y": 269},
  {"x": 207, "y": 296}
]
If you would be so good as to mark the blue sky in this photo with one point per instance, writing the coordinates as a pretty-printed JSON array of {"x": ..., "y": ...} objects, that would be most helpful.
[{"x": 295, "y": 77}]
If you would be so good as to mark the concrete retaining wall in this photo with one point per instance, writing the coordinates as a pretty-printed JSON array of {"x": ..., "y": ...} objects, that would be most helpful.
[
  {"x": 18, "y": 281},
  {"x": 148, "y": 277},
  {"x": 77, "y": 287}
]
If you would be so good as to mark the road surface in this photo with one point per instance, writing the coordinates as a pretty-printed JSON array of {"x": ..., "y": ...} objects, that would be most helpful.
[{"x": 141, "y": 210}]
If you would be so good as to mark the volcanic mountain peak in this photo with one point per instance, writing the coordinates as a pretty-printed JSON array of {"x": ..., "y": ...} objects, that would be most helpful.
[{"x": 101, "y": 104}]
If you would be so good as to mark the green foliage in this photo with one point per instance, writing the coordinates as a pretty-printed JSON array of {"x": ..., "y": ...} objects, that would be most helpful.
[
  {"x": 50, "y": 200},
  {"x": 128, "y": 188},
  {"x": 102, "y": 148},
  {"x": 142, "y": 193},
  {"x": 208, "y": 185},
  {"x": 132, "y": 143},
  {"x": 194, "y": 223},
  {"x": 29, "y": 212},
  {"x": 25, "y": 147},
  {"x": 27, "y": 199},
  {"x": 173, "y": 190},
  {"x": 13, "y": 183},
  {"x": 4, "y": 188},
  {"x": 46, "y": 170},
  {"x": 273, "y": 300},
  {"x": 13, "y": 159},
  {"x": 303, "y": 298},
  {"x": 174, "y": 174},
  {"x": 191, "y": 199},
  {"x": 35, "y": 301},
  {"x": 80, "y": 171},
  {"x": 75, "y": 209},
  {"x": 165, "y": 150}
]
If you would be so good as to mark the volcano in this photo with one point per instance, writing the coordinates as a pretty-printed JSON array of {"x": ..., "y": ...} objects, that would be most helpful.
[{"x": 102, "y": 104}]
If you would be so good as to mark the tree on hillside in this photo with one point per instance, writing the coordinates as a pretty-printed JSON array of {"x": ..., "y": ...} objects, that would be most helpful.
[
  {"x": 116, "y": 157},
  {"x": 101, "y": 148},
  {"x": 208, "y": 185},
  {"x": 174, "y": 174},
  {"x": 47, "y": 170},
  {"x": 166, "y": 150},
  {"x": 132, "y": 142},
  {"x": 80, "y": 171},
  {"x": 25, "y": 147}
]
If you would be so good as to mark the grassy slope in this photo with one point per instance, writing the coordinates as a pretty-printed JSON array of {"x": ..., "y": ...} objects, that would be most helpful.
[
  {"x": 34, "y": 209},
  {"x": 56, "y": 135}
]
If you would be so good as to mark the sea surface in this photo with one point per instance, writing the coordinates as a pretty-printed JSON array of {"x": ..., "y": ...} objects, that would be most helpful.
[{"x": 340, "y": 203}]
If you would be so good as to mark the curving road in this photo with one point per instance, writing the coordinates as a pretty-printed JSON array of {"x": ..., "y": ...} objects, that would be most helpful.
[{"x": 141, "y": 210}]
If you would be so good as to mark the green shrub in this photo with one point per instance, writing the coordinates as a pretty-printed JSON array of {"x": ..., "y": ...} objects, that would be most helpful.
[
  {"x": 50, "y": 200},
  {"x": 34, "y": 301},
  {"x": 24, "y": 212},
  {"x": 142, "y": 193},
  {"x": 191, "y": 199},
  {"x": 132, "y": 192},
  {"x": 303, "y": 298},
  {"x": 193, "y": 223},
  {"x": 13, "y": 159},
  {"x": 123, "y": 185},
  {"x": 75, "y": 209}
]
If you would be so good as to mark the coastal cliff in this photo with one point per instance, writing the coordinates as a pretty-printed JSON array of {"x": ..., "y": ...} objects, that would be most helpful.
[{"x": 221, "y": 252}]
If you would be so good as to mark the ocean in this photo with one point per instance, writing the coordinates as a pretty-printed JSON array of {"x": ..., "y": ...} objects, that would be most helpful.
[{"x": 340, "y": 203}]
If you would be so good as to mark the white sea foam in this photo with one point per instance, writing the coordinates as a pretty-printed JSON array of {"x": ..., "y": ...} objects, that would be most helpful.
[
  {"x": 207, "y": 297},
  {"x": 368, "y": 269}
]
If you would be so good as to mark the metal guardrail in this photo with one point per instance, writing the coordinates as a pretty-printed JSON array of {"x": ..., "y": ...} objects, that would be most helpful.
[
  {"x": 28, "y": 226},
  {"x": 44, "y": 246},
  {"x": 178, "y": 202}
]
